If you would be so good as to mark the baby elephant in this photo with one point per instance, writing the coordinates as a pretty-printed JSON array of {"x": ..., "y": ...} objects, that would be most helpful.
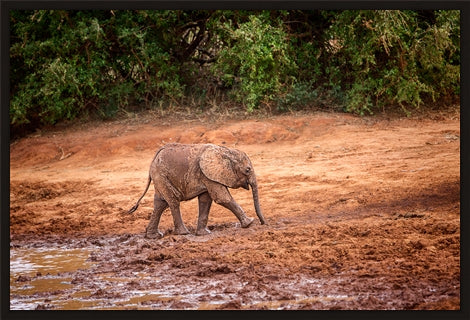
[{"x": 182, "y": 172}]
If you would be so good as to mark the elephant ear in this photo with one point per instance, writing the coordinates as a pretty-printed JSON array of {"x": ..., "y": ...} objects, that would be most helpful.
[{"x": 216, "y": 164}]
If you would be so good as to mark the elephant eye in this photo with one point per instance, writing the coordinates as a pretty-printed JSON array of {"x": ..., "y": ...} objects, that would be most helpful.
[{"x": 248, "y": 170}]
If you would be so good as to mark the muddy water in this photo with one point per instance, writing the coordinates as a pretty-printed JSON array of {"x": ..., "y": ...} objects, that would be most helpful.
[
  {"x": 71, "y": 277},
  {"x": 65, "y": 278},
  {"x": 36, "y": 272}
]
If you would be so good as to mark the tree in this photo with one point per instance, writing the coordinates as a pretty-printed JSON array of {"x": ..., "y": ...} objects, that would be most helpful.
[{"x": 66, "y": 64}]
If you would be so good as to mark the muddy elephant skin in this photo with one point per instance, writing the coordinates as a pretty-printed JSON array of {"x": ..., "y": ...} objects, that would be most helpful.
[{"x": 182, "y": 172}]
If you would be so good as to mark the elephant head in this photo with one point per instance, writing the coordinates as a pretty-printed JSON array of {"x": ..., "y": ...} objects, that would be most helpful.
[{"x": 231, "y": 168}]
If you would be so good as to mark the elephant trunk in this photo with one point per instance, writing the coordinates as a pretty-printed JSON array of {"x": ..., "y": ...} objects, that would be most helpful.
[{"x": 254, "y": 190}]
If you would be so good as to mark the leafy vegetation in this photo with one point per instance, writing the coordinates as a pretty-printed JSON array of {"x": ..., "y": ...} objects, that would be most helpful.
[
  {"x": 255, "y": 61},
  {"x": 66, "y": 64}
]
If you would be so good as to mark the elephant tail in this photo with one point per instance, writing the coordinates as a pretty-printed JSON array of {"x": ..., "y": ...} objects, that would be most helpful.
[{"x": 138, "y": 201}]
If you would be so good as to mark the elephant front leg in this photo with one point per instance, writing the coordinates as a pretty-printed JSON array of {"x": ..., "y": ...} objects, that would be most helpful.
[
  {"x": 221, "y": 196},
  {"x": 205, "y": 202},
  {"x": 159, "y": 206},
  {"x": 239, "y": 213}
]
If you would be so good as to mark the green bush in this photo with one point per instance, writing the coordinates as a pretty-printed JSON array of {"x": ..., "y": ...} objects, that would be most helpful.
[
  {"x": 56, "y": 65},
  {"x": 395, "y": 57},
  {"x": 66, "y": 64},
  {"x": 255, "y": 61},
  {"x": 299, "y": 96}
]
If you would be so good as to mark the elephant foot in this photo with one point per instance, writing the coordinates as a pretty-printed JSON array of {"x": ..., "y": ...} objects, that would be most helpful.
[
  {"x": 247, "y": 222},
  {"x": 153, "y": 235},
  {"x": 181, "y": 231},
  {"x": 202, "y": 232}
]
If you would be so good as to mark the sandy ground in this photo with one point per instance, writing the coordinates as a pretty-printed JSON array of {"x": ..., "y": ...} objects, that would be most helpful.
[{"x": 363, "y": 213}]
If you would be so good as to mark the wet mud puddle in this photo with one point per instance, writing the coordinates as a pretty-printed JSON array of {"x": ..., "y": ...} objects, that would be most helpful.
[
  {"x": 42, "y": 277},
  {"x": 64, "y": 278},
  {"x": 79, "y": 276}
]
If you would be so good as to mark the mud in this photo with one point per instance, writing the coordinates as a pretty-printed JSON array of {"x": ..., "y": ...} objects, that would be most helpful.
[{"x": 362, "y": 213}]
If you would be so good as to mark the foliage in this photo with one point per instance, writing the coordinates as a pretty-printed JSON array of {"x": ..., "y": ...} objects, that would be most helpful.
[
  {"x": 392, "y": 56},
  {"x": 66, "y": 64},
  {"x": 299, "y": 95},
  {"x": 254, "y": 61}
]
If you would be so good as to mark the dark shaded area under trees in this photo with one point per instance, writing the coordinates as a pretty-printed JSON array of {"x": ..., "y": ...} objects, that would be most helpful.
[{"x": 68, "y": 64}]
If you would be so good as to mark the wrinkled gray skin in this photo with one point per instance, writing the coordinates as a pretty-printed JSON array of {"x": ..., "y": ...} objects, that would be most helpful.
[{"x": 182, "y": 172}]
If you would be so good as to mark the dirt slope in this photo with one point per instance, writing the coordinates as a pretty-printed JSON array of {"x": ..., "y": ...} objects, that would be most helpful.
[{"x": 363, "y": 213}]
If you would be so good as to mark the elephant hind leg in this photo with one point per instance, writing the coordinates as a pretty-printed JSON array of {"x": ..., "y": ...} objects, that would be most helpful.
[
  {"x": 159, "y": 205},
  {"x": 205, "y": 202},
  {"x": 180, "y": 228}
]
